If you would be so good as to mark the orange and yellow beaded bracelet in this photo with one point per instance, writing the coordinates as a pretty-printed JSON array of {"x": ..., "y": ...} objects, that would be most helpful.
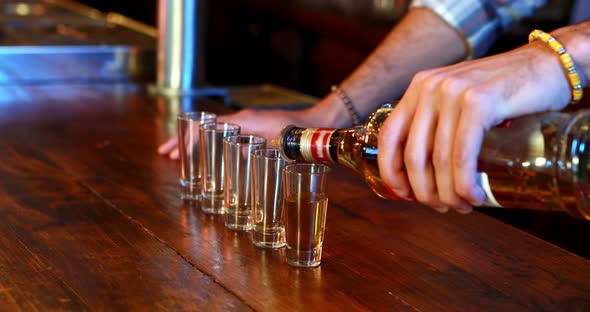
[{"x": 572, "y": 73}]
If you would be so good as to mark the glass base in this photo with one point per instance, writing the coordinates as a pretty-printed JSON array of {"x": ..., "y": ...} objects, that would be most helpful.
[
  {"x": 269, "y": 239},
  {"x": 190, "y": 190},
  {"x": 212, "y": 204},
  {"x": 238, "y": 222},
  {"x": 304, "y": 258}
]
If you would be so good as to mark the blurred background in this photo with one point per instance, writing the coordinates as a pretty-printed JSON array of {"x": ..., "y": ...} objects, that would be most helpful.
[{"x": 305, "y": 45}]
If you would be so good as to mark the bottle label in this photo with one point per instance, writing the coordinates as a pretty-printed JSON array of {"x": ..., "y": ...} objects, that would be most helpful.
[
  {"x": 315, "y": 144},
  {"x": 484, "y": 182}
]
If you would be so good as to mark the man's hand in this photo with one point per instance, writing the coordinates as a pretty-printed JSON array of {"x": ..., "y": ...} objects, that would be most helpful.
[{"x": 429, "y": 145}]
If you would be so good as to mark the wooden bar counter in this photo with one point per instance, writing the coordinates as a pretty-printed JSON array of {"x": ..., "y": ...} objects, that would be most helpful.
[{"x": 90, "y": 219}]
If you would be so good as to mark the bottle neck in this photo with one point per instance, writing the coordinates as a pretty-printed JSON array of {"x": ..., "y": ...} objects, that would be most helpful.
[
  {"x": 316, "y": 145},
  {"x": 309, "y": 144}
]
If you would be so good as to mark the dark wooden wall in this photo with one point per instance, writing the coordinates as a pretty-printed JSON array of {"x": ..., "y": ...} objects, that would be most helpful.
[
  {"x": 297, "y": 46},
  {"x": 251, "y": 42}
]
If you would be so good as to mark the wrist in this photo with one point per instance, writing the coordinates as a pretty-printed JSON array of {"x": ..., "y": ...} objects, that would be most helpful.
[
  {"x": 576, "y": 39},
  {"x": 572, "y": 71},
  {"x": 547, "y": 70},
  {"x": 329, "y": 112}
]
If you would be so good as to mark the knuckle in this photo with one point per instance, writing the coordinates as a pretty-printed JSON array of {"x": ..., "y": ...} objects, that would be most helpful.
[
  {"x": 422, "y": 76},
  {"x": 431, "y": 84},
  {"x": 412, "y": 161},
  {"x": 480, "y": 109},
  {"x": 460, "y": 157},
  {"x": 473, "y": 94},
  {"x": 440, "y": 159},
  {"x": 452, "y": 85},
  {"x": 387, "y": 131},
  {"x": 473, "y": 101},
  {"x": 428, "y": 80}
]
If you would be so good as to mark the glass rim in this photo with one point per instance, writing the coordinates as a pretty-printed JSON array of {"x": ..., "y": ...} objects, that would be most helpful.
[
  {"x": 290, "y": 169},
  {"x": 188, "y": 116},
  {"x": 228, "y": 126},
  {"x": 258, "y": 139},
  {"x": 277, "y": 154}
]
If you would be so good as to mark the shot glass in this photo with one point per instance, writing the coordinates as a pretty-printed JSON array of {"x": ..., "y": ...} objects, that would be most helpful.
[
  {"x": 238, "y": 179},
  {"x": 188, "y": 147},
  {"x": 213, "y": 172},
  {"x": 268, "y": 228},
  {"x": 306, "y": 205}
]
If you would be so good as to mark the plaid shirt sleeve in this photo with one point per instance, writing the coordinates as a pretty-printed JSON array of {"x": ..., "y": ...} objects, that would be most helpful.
[{"x": 480, "y": 21}]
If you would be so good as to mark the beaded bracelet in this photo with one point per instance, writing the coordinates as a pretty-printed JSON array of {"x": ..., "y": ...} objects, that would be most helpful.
[
  {"x": 354, "y": 115},
  {"x": 574, "y": 76}
]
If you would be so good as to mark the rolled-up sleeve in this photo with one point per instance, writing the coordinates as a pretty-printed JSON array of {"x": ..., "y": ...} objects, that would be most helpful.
[{"x": 480, "y": 22}]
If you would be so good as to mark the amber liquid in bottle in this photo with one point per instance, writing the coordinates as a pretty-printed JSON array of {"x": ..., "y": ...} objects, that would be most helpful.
[
  {"x": 539, "y": 162},
  {"x": 355, "y": 148}
]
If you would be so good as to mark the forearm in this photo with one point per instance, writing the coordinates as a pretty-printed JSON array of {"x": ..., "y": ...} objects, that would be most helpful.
[{"x": 422, "y": 40}]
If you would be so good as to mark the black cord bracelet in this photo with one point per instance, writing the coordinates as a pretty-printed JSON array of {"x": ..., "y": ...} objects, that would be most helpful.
[{"x": 354, "y": 115}]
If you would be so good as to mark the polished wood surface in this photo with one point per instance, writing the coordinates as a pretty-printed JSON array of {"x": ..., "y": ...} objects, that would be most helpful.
[{"x": 90, "y": 218}]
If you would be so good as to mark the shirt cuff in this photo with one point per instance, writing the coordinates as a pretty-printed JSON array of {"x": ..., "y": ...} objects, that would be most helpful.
[{"x": 477, "y": 25}]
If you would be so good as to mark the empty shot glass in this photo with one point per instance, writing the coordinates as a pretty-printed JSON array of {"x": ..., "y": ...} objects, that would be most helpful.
[
  {"x": 268, "y": 228},
  {"x": 213, "y": 172},
  {"x": 238, "y": 180},
  {"x": 188, "y": 147}
]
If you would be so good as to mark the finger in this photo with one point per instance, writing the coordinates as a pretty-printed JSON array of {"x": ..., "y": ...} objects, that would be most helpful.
[
  {"x": 468, "y": 140},
  {"x": 389, "y": 158},
  {"x": 174, "y": 154},
  {"x": 167, "y": 146},
  {"x": 393, "y": 135},
  {"x": 444, "y": 141},
  {"x": 392, "y": 139},
  {"x": 418, "y": 154}
]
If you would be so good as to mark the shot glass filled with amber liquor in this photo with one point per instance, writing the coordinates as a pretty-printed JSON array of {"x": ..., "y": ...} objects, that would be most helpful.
[{"x": 306, "y": 206}]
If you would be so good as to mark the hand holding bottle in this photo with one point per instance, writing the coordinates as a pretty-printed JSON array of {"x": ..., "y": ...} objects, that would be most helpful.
[{"x": 428, "y": 146}]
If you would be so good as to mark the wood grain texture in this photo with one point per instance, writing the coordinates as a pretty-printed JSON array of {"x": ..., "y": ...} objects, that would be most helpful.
[{"x": 90, "y": 218}]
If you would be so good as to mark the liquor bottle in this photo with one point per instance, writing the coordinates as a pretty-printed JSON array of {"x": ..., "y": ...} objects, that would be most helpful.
[{"x": 537, "y": 162}]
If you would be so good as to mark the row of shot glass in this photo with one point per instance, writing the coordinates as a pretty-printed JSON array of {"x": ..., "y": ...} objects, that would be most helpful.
[{"x": 281, "y": 203}]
